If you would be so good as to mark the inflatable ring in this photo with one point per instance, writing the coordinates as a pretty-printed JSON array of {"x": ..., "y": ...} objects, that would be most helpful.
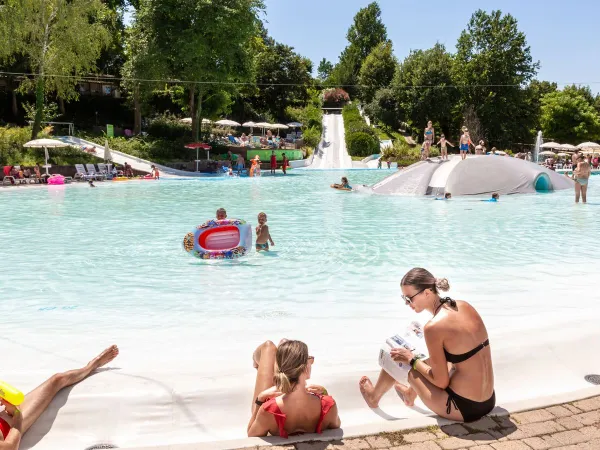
[
  {"x": 10, "y": 394},
  {"x": 219, "y": 239}
]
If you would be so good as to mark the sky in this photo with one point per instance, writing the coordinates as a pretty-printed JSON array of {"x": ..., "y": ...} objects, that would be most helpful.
[{"x": 564, "y": 36}]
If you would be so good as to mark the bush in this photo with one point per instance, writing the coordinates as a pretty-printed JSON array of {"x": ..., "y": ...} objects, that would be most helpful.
[
  {"x": 361, "y": 140},
  {"x": 168, "y": 127},
  {"x": 402, "y": 152},
  {"x": 335, "y": 95},
  {"x": 311, "y": 137}
]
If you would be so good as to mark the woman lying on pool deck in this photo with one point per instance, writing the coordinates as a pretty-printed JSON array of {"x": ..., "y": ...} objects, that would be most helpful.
[
  {"x": 456, "y": 334},
  {"x": 283, "y": 404},
  {"x": 35, "y": 403}
]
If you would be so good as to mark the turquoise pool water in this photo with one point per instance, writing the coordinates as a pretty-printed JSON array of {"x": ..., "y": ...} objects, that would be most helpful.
[{"x": 83, "y": 268}]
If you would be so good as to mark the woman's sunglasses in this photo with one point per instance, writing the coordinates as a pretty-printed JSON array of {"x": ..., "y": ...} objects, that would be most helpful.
[{"x": 408, "y": 300}]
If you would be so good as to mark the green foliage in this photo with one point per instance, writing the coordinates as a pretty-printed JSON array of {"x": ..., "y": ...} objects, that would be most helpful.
[
  {"x": 361, "y": 140},
  {"x": 377, "y": 70},
  {"x": 49, "y": 112},
  {"x": 151, "y": 149},
  {"x": 418, "y": 104},
  {"x": 570, "y": 116},
  {"x": 494, "y": 62},
  {"x": 401, "y": 151},
  {"x": 366, "y": 32},
  {"x": 311, "y": 117},
  {"x": 168, "y": 127},
  {"x": 311, "y": 137},
  {"x": 60, "y": 39},
  {"x": 384, "y": 108},
  {"x": 324, "y": 70}
]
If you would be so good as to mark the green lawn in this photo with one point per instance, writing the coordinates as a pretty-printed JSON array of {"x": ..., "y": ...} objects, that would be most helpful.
[{"x": 385, "y": 133}]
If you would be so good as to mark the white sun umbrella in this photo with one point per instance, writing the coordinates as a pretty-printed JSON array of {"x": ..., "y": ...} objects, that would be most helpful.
[
  {"x": 264, "y": 125},
  {"x": 547, "y": 153},
  {"x": 294, "y": 124},
  {"x": 563, "y": 154},
  {"x": 568, "y": 147},
  {"x": 45, "y": 144},
  {"x": 186, "y": 120},
  {"x": 227, "y": 123},
  {"x": 250, "y": 125},
  {"x": 550, "y": 145},
  {"x": 279, "y": 126},
  {"x": 107, "y": 154},
  {"x": 589, "y": 145}
]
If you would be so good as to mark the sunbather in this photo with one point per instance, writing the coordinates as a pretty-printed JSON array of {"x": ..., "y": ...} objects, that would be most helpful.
[
  {"x": 36, "y": 402},
  {"x": 281, "y": 385},
  {"x": 456, "y": 335}
]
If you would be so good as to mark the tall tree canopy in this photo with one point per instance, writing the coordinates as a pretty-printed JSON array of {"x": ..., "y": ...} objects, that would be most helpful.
[
  {"x": 570, "y": 116},
  {"x": 377, "y": 70},
  {"x": 324, "y": 69},
  {"x": 366, "y": 32},
  {"x": 61, "y": 41},
  {"x": 494, "y": 63}
]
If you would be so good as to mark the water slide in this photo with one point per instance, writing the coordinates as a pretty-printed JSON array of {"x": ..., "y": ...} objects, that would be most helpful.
[
  {"x": 135, "y": 162},
  {"x": 331, "y": 152}
]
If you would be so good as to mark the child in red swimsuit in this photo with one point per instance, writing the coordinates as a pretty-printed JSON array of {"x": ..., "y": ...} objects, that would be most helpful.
[{"x": 273, "y": 162}]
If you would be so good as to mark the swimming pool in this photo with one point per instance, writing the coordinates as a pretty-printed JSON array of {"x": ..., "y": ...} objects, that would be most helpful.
[{"x": 84, "y": 268}]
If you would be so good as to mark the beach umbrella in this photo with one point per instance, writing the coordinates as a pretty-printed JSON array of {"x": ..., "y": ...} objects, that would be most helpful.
[
  {"x": 250, "y": 125},
  {"x": 588, "y": 145},
  {"x": 551, "y": 145},
  {"x": 547, "y": 153},
  {"x": 568, "y": 147},
  {"x": 186, "y": 120},
  {"x": 264, "y": 125},
  {"x": 294, "y": 124},
  {"x": 45, "y": 144},
  {"x": 279, "y": 126},
  {"x": 562, "y": 154},
  {"x": 198, "y": 146},
  {"x": 107, "y": 154},
  {"x": 227, "y": 123}
]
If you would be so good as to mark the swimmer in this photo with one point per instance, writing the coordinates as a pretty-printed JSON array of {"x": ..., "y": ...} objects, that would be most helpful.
[
  {"x": 443, "y": 147},
  {"x": 495, "y": 198},
  {"x": 480, "y": 149},
  {"x": 455, "y": 336},
  {"x": 344, "y": 186},
  {"x": 263, "y": 236},
  {"x": 447, "y": 196},
  {"x": 221, "y": 214},
  {"x": 21, "y": 418},
  {"x": 91, "y": 183}
]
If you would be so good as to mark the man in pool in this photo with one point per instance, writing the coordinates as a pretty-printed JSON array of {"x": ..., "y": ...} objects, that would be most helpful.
[
  {"x": 263, "y": 236},
  {"x": 221, "y": 214}
]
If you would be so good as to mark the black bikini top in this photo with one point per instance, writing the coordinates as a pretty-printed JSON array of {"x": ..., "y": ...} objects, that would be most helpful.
[{"x": 455, "y": 359}]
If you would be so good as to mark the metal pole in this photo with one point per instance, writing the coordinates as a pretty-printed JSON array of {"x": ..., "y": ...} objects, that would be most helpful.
[{"x": 197, "y": 156}]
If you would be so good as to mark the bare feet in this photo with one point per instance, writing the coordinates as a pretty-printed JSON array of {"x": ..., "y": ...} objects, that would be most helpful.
[
  {"x": 368, "y": 392},
  {"x": 104, "y": 358},
  {"x": 407, "y": 393}
]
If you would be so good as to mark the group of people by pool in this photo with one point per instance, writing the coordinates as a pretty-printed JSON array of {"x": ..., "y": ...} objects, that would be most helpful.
[{"x": 255, "y": 165}]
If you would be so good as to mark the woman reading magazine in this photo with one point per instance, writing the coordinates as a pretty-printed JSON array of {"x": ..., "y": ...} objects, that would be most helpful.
[{"x": 456, "y": 335}]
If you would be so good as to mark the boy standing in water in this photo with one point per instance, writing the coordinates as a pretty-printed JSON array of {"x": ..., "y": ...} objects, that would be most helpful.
[
  {"x": 263, "y": 237},
  {"x": 465, "y": 141}
]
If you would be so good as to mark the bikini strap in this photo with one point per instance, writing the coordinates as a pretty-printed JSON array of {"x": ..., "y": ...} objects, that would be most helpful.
[{"x": 450, "y": 402}]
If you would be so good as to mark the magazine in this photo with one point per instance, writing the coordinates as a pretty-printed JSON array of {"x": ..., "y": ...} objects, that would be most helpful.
[{"x": 413, "y": 340}]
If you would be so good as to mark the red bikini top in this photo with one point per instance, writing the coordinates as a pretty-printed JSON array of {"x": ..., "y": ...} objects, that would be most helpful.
[
  {"x": 327, "y": 402},
  {"x": 4, "y": 427}
]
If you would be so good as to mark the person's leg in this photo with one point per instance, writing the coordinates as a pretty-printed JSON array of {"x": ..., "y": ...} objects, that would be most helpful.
[
  {"x": 584, "y": 193},
  {"x": 435, "y": 398},
  {"x": 577, "y": 192},
  {"x": 37, "y": 401},
  {"x": 372, "y": 394},
  {"x": 264, "y": 361}
]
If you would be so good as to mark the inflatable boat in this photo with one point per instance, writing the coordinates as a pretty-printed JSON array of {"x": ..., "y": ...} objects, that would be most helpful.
[{"x": 219, "y": 239}]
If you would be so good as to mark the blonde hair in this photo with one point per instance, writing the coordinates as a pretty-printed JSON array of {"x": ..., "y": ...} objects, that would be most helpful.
[
  {"x": 291, "y": 362},
  {"x": 422, "y": 279}
]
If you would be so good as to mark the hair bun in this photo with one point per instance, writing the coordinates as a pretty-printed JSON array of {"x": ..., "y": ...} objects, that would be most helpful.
[{"x": 442, "y": 284}]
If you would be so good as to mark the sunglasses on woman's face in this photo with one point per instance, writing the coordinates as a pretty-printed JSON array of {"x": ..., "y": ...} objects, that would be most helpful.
[{"x": 409, "y": 299}]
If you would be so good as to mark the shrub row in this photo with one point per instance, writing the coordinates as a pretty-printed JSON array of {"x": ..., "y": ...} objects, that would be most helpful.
[{"x": 361, "y": 140}]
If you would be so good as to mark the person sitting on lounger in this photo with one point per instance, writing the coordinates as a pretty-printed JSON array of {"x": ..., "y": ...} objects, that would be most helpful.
[
  {"x": 457, "y": 335},
  {"x": 36, "y": 402},
  {"x": 281, "y": 385}
]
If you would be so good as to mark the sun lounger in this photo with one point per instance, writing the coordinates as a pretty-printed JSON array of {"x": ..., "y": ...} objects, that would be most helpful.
[
  {"x": 92, "y": 172},
  {"x": 81, "y": 173},
  {"x": 8, "y": 181}
]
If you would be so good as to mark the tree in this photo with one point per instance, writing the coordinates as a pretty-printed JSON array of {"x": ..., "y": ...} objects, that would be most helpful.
[
  {"x": 324, "y": 70},
  {"x": 60, "y": 39},
  {"x": 366, "y": 32},
  {"x": 423, "y": 87},
  {"x": 385, "y": 108},
  {"x": 377, "y": 70},
  {"x": 493, "y": 65},
  {"x": 569, "y": 116},
  {"x": 206, "y": 43}
]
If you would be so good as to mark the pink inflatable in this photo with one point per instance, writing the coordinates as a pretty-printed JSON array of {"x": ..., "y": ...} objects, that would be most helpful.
[{"x": 56, "y": 179}]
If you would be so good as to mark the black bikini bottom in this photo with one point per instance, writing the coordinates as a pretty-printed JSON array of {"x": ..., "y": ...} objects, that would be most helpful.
[{"x": 470, "y": 410}]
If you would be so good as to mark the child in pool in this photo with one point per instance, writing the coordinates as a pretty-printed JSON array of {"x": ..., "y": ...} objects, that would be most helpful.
[
  {"x": 345, "y": 186},
  {"x": 263, "y": 236},
  {"x": 221, "y": 214},
  {"x": 495, "y": 198},
  {"x": 447, "y": 196}
]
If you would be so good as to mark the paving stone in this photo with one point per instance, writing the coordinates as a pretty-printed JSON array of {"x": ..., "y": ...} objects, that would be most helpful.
[
  {"x": 591, "y": 432},
  {"x": 277, "y": 447},
  {"x": 505, "y": 422},
  {"x": 379, "y": 442},
  {"x": 516, "y": 445},
  {"x": 455, "y": 429},
  {"x": 349, "y": 444},
  {"x": 569, "y": 423},
  {"x": 428, "y": 445},
  {"x": 439, "y": 434},
  {"x": 540, "y": 415},
  {"x": 541, "y": 443},
  {"x": 498, "y": 435},
  {"x": 570, "y": 437},
  {"x": 455, "y": 443},
  {"x": 482, "y": 447},
  {"x": 483, "y": 424},
  {"x": 420, "y": 436},
  {"x": 534, "y": 429},
  {"x": 571, "y": 408},
  {"x": 559, "y": 411},
  {"x": 588, "y": 418},
  {"x": 312, "y": 445},
  {"x": 589, "y": 404}
]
